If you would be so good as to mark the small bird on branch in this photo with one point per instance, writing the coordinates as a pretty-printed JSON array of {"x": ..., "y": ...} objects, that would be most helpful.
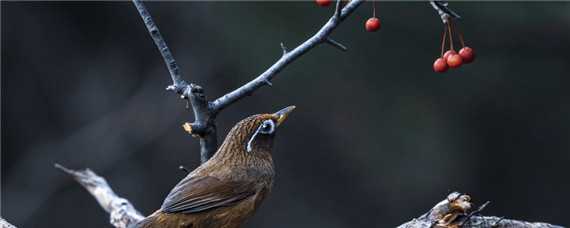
[{"x": 228, "y": 188}]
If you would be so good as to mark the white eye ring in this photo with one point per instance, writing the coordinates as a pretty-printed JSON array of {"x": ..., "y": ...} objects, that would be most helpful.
[{"x": 267, "y": 127}]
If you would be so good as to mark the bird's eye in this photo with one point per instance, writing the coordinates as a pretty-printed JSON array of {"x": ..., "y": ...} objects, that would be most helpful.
[{"x": 267, "y": 127}]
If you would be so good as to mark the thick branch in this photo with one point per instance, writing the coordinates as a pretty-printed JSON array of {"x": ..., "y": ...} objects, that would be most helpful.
[
  {"x": 5, "y": 224},
  {"x": 123, "y": 213},
  {"x": 453, "y": 212},
  {"x": 456, "y": 211},
  {"x": 320, "y": 37},
  {"x": 444, "y": 12}
]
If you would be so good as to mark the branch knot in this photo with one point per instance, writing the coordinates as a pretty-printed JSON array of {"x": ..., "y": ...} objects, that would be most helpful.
[{"x": 195, "y": 129}]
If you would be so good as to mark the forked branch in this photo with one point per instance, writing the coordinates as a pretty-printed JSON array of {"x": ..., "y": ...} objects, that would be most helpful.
[
  {"x": 122, "y": 211},
  {"x": 203, "y": 126},
  {"x": 205, "y": 112},
  {"x": 322, "y": 36},
  {"x": 441, "y": 7}
]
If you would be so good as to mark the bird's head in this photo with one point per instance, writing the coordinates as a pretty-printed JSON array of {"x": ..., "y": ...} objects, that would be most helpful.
[{"x": 254, "y": 135}]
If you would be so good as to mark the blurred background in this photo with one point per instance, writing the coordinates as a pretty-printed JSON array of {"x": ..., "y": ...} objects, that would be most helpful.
[{"x": 377, "y": 138}]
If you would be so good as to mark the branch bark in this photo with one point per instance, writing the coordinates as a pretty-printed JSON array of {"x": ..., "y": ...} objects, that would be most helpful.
[
  {"x": 204, "y": 125},
  {"x": 442, "y": 9},
  {"x": 205, "y": 112},
  {"x": 122, "y": 212},
  {"x": 5, "y": 224},
  {"x": 457, "y": 211},
  {"x": 453, "y": 212}
]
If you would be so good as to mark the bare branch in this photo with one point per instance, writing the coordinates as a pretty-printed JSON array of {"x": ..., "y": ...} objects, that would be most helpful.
[
  {"x": 320, "y": 37},
  {"x": 123, "y": 213},
  {"x": 444, "y": 12},
  {"x": 5, "y": 224},
  {"x": 455, "y": 211},
  {"x": 177, "y": 81},
  {"x": 203, "y": 125},
  {"x": 204, "y": 111}
]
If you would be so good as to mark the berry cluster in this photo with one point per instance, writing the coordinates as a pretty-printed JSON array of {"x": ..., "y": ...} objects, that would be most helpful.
[
  {"x": 452, "y": 59},
  {"x": 371, "y": 25}
]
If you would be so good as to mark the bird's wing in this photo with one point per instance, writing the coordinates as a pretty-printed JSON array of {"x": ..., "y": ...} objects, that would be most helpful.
[{"x": 197, "y": 194}]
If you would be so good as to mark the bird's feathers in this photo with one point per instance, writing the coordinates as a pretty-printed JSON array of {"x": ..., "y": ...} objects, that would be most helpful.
[{"x": 197, "y": 194}]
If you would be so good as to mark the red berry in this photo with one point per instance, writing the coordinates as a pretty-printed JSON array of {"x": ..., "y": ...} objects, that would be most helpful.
[
  {"x": 454, "y": 60},
  {"x": 440, "y": 65},
  {"x": 323, "y": 2},
  {"x": 372, "y": 24},
  {"x": 467, "y": 54},
  {"x": 448, "y": 53}
]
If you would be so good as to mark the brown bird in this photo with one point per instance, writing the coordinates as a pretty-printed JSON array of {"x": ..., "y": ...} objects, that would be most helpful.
[{"x": 227, "y": 189}]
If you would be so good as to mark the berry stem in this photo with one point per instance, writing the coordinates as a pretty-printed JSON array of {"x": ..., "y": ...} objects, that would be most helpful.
[
  {"x": 449, "y": 26},
  {"x": 373, "y": 8},
  {"x": 461, "y": 39},
  {"x": 443, "y": 40}
]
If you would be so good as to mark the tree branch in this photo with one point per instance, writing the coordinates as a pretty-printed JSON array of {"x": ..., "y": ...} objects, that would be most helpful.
[
  {"x": 203, "y": 126},
  {"x": 123, "y": 213},
  {"x": 456, "y": 211},
  {"x": 205, "y": 112},
  {"x": 444, "y": 12},
  {"x": 451, "y": 212},
  {"x": 173, "y": 69},
  {"x": 5, "y": 224},
  {"x": 321, "y": 36}
]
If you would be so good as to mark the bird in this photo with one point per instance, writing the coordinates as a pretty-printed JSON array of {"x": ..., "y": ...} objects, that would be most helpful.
[{"x": 227, "y": 189}]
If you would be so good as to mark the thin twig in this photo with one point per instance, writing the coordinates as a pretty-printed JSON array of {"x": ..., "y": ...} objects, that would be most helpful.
[
  {"x": 338, "y": 8},
  {"x": 283, "y": 48},
  {"x": 161, "y": 45},
  {"x": 336, "y": 44},
  {"x": 320, "y": 37}
]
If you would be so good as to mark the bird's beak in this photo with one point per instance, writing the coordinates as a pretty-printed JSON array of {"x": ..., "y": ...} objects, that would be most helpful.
[{"x": 282, "y": 114}]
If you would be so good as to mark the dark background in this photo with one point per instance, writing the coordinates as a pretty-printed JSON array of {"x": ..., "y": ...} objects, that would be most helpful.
[{"x": 377, "y": 138}]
